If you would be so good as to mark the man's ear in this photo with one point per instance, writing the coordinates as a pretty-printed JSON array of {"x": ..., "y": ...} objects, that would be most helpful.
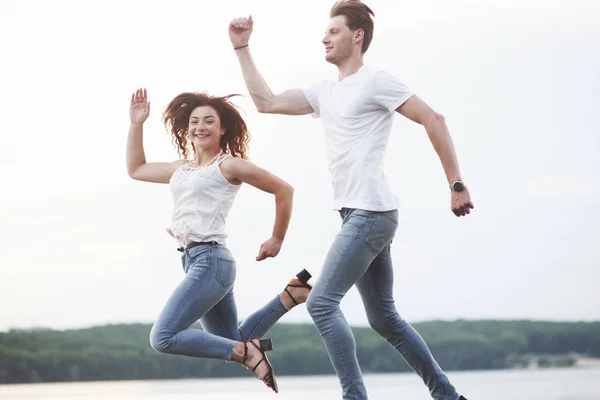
[{"x": 359, "y": 34}]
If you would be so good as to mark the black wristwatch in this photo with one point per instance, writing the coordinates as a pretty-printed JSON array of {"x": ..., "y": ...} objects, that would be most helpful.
[{"x": 457, "y": 186}]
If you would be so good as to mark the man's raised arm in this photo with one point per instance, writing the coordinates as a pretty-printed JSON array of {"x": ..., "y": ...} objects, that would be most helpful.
[{"x": 291, "y": 102}]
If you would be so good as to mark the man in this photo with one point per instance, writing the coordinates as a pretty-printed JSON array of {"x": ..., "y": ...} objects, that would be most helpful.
[{"x": 357, "y": 113}]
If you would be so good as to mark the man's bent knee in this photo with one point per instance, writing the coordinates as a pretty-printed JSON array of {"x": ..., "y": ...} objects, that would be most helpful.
[
  {"x": 385, "y": 325},
  {"x": 320, "y": 306}
]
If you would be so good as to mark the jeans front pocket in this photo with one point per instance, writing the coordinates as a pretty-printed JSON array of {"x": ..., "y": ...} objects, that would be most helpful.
[
  {"x": 383, "y": 231},
  {"x": 226, "y": 271},
  {"x": 194, "y": 268}
]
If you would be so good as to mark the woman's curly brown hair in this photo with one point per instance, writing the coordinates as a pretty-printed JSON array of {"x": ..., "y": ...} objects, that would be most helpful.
[{"x": 177, "y": 114}]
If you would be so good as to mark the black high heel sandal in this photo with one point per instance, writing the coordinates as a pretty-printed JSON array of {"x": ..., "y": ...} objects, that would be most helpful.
[
  {"x": 303, "y": 276},
  {"x": 263, "y": 346}
]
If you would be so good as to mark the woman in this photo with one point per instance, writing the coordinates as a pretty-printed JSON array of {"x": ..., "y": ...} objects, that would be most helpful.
[{"x": 204, "y": 189}]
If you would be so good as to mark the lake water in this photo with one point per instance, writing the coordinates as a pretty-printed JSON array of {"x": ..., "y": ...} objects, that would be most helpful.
[{"x": 550, "y": 384}]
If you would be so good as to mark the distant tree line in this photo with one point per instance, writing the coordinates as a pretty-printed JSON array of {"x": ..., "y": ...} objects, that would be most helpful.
[{"x": 123, "y": 352}]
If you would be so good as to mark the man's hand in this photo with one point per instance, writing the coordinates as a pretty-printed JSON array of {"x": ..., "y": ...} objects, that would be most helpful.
[
  {"x": 240, "y": 30},
  {"x": 461, "y": 202},
  {"x": 270, "y": 248}
]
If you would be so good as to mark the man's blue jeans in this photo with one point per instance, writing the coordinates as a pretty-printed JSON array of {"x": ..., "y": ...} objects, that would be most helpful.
[{"x": 360, "y": 255}]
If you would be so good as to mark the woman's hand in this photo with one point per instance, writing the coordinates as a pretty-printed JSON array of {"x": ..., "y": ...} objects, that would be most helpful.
[
  {"x": 270, "y": 248},
  {"x": 139, "y": 108}
]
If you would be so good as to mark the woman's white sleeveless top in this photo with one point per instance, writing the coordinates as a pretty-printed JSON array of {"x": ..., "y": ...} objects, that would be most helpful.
[{"x": 202, "y": 199}]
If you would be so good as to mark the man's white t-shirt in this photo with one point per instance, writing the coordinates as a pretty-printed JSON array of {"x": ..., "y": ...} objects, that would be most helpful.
[{"x": 357, "y": 115}]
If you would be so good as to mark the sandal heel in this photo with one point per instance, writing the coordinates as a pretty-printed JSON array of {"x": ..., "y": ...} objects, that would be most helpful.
[
  {"x": 266, "y": 344},
  {"x": 303, "y": 276}
]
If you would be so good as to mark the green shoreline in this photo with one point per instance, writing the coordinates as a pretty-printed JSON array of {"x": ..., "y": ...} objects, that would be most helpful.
[{"x": 122, "y": 352}]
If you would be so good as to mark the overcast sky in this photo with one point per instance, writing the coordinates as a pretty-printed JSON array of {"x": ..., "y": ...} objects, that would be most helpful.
[{"x": 518, "y": 81}]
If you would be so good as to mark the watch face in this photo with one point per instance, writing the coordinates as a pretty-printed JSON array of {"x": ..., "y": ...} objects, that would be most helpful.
[{"x": 458, "y": 186}]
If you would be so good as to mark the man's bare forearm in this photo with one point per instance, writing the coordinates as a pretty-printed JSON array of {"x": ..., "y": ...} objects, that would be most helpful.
[
  {"x": 444, "y": 146},
  {"x": 257, "y": 87}
]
